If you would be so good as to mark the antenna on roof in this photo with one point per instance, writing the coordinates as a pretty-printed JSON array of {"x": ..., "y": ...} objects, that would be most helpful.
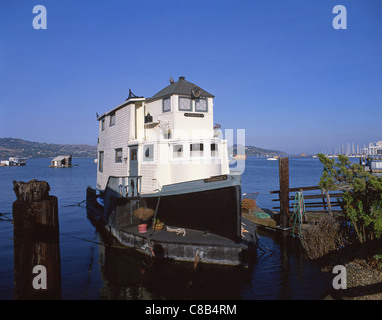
[{"x": 171, "y": 80}]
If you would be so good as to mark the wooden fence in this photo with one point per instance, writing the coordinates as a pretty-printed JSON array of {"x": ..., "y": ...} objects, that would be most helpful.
[
  {"x": 320, "y": 201},
  {"x": 323, "y": 201}
]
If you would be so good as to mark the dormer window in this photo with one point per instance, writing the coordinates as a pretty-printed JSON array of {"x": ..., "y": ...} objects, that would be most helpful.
[
  {"x": 167, "y": 104},
  {"x": 185, "y": 104},
  {"x": 201, "y": 105}
]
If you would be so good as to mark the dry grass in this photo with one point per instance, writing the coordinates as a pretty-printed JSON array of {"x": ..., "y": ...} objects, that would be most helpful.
[
  {"x": 320, "y": 238},
  {"x": 143, "y": 213}
]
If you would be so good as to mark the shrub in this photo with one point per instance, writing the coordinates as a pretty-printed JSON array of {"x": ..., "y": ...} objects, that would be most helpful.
[{"x": 362, "y": 202}]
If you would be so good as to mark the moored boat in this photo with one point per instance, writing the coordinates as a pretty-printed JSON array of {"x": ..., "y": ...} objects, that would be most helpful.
[
  {"x": 14, "y": 161},
  {"x": 160, "y": 155}
]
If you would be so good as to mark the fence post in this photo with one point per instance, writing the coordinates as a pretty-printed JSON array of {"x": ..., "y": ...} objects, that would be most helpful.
[
  {"x": 37, "y": 267},
  {"x": 284, "y": 192}
]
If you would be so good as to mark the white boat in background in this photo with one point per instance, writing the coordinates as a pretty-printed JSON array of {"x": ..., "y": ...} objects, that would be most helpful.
[
  {"x": 14, "y": 161},
  {"x": 273, "y": 158}
]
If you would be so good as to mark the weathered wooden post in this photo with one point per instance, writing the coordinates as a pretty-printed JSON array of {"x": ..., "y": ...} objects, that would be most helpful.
[
  {"x": 284, "y": 192},
  {"x": 37, "y": 273}
]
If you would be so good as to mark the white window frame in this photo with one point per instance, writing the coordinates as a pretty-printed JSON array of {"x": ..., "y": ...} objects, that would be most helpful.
[{"x": 177, "y": 154}]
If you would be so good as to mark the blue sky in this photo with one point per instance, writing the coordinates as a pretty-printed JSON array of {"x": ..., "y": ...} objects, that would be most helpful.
[{"x": 277, "y": 68}]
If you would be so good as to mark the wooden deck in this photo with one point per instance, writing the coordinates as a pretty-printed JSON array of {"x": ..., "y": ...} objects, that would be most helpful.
[{"x": 273, "y": 222}]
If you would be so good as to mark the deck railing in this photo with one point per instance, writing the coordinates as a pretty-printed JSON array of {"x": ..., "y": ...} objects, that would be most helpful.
[{"x": 127, "y": 186}]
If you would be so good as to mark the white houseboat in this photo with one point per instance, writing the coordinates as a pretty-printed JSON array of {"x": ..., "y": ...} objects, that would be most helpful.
[
  {"x": 162, "y": 153},
  {"x": 372, "y": 159},
  {"x": 14, "y": 161},
  {"x": 61, "y": 162}
]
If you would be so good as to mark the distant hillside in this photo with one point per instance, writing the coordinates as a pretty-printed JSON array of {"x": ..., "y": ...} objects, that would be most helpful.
[
  {"x": 21, "y": 148},
  {"x": 255, "y": 151}
]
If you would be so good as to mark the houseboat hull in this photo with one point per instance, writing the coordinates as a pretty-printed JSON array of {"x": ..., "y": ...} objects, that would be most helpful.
[{"x": 203, "y": 226}]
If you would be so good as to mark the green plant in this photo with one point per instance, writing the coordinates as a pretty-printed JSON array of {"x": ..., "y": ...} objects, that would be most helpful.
[{"x": 362, "y": 200}]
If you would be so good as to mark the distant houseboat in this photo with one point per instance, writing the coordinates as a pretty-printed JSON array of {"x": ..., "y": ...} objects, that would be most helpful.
[
  {"x": 372, "y": 160},
  {"x": 374, "y": 165},
  {"x": 14, "y": 161},
  {"x": 161, "y": 155},
  {"x": 61, "y": 162}
]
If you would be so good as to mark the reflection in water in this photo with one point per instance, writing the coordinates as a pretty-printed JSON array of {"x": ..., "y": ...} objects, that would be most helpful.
[
  {"x": 278, "y": 272},
  {"x": 128, "y": 274}
]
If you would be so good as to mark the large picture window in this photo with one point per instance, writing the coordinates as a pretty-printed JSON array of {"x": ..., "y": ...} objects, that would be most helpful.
[
  {"x": 185, "y": 104},
  {"x": 201, "y": 105}
]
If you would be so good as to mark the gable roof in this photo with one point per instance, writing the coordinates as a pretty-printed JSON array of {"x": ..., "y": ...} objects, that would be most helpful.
[
  {"x": 60, "y": 158},
  {"x": 180, "y": 87}
]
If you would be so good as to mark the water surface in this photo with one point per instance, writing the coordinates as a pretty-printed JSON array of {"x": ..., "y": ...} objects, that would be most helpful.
[{"x": 91, "y": 270}]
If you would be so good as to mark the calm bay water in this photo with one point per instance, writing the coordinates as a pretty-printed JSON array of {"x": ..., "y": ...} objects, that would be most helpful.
[{"x": 91, "y": 270}]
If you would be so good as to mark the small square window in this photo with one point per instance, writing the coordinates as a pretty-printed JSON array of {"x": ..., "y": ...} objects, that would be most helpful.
[
  {"x": 167, "y": 104},
  {"x": 201, "y": 105},
  {"x": 118, "y": 155},
  {"x": 196, "y": 149},
  {"x": 148, "y": 153},
  {"x": 178, "y": 151},
  {"x": 185, "y": 104}
]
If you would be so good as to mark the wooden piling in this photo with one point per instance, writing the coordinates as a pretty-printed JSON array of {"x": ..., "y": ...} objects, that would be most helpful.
[
  {"x": 37, "y": 273},
  {"x": 284, "y": 192}
]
